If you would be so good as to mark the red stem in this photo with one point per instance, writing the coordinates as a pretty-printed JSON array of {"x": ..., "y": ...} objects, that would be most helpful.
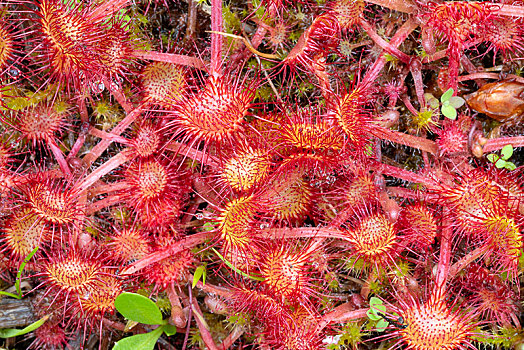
[
  {"x": 403, "y": 174},
  {"x": 104, "y": 169},
  {"x": 202, "y": 326},
  {"x": 59, "y": 156},
  {"x": 499, "y": 143},
  {"x": 409, "y": 26},
  {"x": 391, "y": 49},
  {"x": 341, "y": 314},
  {"x": 232, "y": 337},
  {"x": 445, "y": 250},
  {"x": 465, "y": 261},
  {"x": 171, "y": 58},
  {"x": 118, "y": 95},
  {"x": 185, "y": 243},
  {"x": 189, "y": 152},
  {"x": 108, "y": 188},
  {"x": 405, "y": 6},
  {"x": 107, "y": 135},
  {"x": 117, "y": 130},
  {"x": 416, "y": 72},
  {"x": 510, "y": 10},
  {"x": 302, "y": 232},
  {"x": 103, "y": 203},
  {"x": 405, "y": 139},
  {"x": 106, "y": 9},
  {"x": 216, "y": 39}
]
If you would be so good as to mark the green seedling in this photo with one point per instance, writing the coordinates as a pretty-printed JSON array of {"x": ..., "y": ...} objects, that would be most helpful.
[
  {"x": 18, "y": 294},
  {"x": 11, "y": 332},
  {"x": 376, "y": 312},
  {"x": 200, "y": 272},
  {"x": 139, "y": 309},
  {"x": 450, "y": 103},
  {"x": 501, "y": 161}
]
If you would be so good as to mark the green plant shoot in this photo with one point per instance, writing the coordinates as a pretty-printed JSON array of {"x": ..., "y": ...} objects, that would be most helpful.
[
  {"x": 138, "y": 308},
  {"x": 502, "y": 161},
  {"x": 19, "y": 277},
  {"x": 450, "y": 104}
]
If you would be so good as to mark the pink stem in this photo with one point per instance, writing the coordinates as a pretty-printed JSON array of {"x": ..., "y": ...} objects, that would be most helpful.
[
  {"x": 113, "y": 324},
  {"x": 185, "y": 243},
  {"x": 416, "y": 72},
  {"x": 103, "y": 203},
  {"x": 405, "y": 6},
  {"x": 107, "y": 135},
  {"x": 119, "y": 96},
  {"x": 78, "y": 145},
  {"x": 383, "y": 43},
  {"x": 301, "y": 232},
  {"x": 59, "y": 156},
  {"x": 409, "y": 105},
  {"x": 107, "y": 9},
  {"x": 487, "y": 75},
  {"x": 189, "y": 152},
  {"x": 117, "y": 130},
  {"x": 104, "y": 169},
  {"x": 209, "y": 288},
  {"x": 499, "y": 143},
  {"x": 216, "y": 39},
  {"x": 409, "y": 26},
  {"x": 402, "y": 174},
  {"x": 341, "y": 314},
  {"x": 435, "y": 57},
  {"x": 445, "y": 250},
  {"x": 177, "y": 315},
  {"x": 202, "y": 326},
  {"x": 405, "y": 139},
  {"x": 465, "y": 261},
  {"x": 108, "y": 188},
  {"x": 454, "y": 53},
  {"x": 510, "y": 10},
  {"x": 232, "y": 337},
  {"x": 171, "y": 58}
]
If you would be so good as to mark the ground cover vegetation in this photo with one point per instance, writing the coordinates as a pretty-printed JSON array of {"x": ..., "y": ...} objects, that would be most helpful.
[{"x": 262, "y": 174}]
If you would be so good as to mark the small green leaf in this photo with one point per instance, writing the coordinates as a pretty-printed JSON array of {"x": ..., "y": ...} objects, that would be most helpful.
[
  {"x": 447, "y": 95},
  {"x": 169, "y": 329},
  {"x": 382, "y": 325},
  {"x": 375, "y": 301},
  {"x": 372, "y": 315},
  {"x": 501, "y": 163},
  {"x": 507, "y": 152},
  {"x": 492, "y": 157},
  {"x": 145, "y": 341},
  {"x": 510, "y": 166},
  {"x": 199, "y": 272},
  {"x": 456, "y": 101},
  {"x": 9, "y": 332},
  {"x": 379, "y": 308},
  {"x": 138, "y": 308},
  {"x": 449, "y": 111}
]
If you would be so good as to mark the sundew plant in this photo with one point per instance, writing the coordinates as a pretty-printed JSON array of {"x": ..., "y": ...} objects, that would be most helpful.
[{"x": 262, "y": 174}]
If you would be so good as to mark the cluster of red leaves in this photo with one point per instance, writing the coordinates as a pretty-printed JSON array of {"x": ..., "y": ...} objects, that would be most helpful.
[{"x": 284, "y": 198}]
